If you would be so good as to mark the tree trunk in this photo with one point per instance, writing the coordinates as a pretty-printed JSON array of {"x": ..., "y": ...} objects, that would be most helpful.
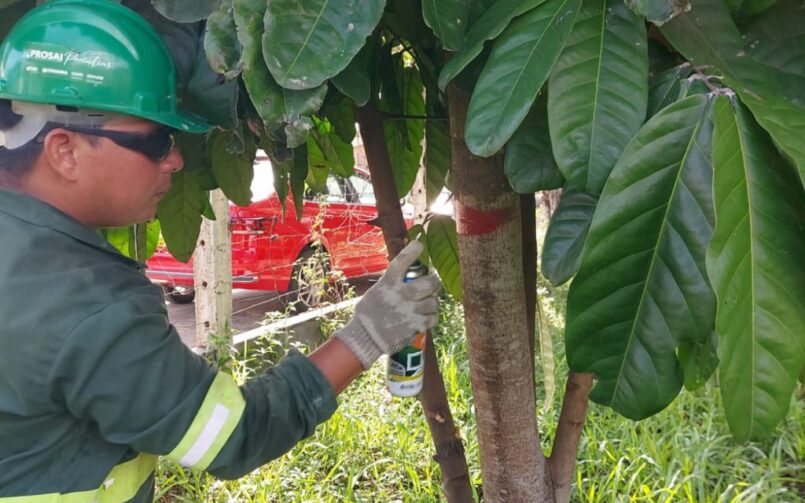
[
  {"x": 446, "y": 437},
  {"x": 528, "y": 219},
  {"x": 514, "y": 468},
  {"x": 212, "y": 265},
  {"x": 568, "y": 433}
]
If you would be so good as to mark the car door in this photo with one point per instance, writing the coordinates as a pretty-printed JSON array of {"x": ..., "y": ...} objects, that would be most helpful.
[{"x": 367, "y": 246}]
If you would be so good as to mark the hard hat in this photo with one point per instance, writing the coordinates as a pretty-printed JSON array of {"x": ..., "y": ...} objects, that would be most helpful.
[{"x": 91, "y": 54}]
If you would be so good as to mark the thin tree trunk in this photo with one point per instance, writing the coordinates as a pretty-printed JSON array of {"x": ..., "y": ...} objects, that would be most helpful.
[
  {"x": 514, "y": 468},
  {"x": 568, "y": 433},
  {"x": 528, "y": 216},
  {"x": 446, "y": 437}
]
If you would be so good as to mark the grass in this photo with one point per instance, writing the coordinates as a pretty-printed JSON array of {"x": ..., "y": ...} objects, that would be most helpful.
[{"x": 378, "y": 449}]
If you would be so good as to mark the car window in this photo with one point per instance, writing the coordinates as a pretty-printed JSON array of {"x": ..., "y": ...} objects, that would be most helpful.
[
  {"x": 263, "y": 182},
  {"x": 363, "y": 189},
  {"x": 335, "y": 190}
]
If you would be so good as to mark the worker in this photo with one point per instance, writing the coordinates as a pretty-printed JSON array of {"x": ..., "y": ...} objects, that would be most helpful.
[{"x": 94, "y": 381}]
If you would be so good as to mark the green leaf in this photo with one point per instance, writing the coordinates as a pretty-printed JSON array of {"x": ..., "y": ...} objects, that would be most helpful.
[
  {"x": 354, "y": 80},
  {"x": 664, "y": 88},
  {"x": 12, "y": 11},
  {"x": 438, "y": 152},
  {"x": 233, "y": 164},
  {"x": 754, "y": 262},
  {"x": 443, "y": 248},
  {"x": 298, "y": 174},
  {"x": 180, "y": 213},
  {"x": 340, "y": 112},
  {"x": 529, "y": 164},
  {"x": 752, "y": 7},
  {"x": 308, "y": 41},
  {"x": 403, "y": 136},
  {"x": 491, "y": 24},
  {"x": 448, "y": 20},
  {"x": 658, "y": 11},
  {"x": 221, "y": 42},
  {"x": 642, "y": 286},
  {"x": 130, "y": 241},
  {"x": 181, "y": 39},
  {"x": 777, "y": 37},
  {"x": 708, "y": 37},
  {"x": 518, "y": 66},
  {"x": 699, "y": 359},
  {"x": 336, "y": 154},
  {"x": 274, "y": 104},
  {"x": 567, "y": 231},
  {"x": 186, "y": 11},
  {"x": 605, "y": 59},
  {"x": 210, "y": 97}
]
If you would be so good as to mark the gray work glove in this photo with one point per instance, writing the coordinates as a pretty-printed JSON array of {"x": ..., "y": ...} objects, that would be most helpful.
[{"x": 392, "y": 311}]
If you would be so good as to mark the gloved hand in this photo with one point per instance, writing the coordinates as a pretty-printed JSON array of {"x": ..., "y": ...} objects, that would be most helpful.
[{"x": 392, "y": 311}]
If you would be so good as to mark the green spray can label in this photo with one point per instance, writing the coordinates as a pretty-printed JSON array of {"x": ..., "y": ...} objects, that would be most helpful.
[{"x": 406, "y": 368}]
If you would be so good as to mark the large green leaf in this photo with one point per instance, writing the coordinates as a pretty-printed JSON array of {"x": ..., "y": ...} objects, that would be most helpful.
[
  {"x": 336, "y": 154},
  {"x": 567, "y": 231},
  {"x": 354, "y": 80},
  {"x": 221, "y": 42},
  {"x": 708, "y": 38},
  {"x": 491, "y": 24},
  {"x": 777, "y": 37},
  {"x": 233, "y": 164},
  {"x": 642, "y": 286},
  {"x": 274, "y": 104},
  {"x": 180, "y": 213},
  {"x": 664, "y": 88},
  {"x": 529, "y": 164},
  {"x": 308, "y": 41},
  {"x": 12, "y": 11},
  {"x": 591, "y": 119},
  {"x": 402, "y": 95},
  {"x": 208, "y": 96},
  {"x": 518, "y": 66},
  {"x": 658, "y": 11},
  {"x": 699, "y": 359},
  {"x": 186, "y": 11},
  {"x": 138, "y": 242},
  {"x": 443, "y": 249},
  {"x": 448, "y": 20},
  {"x": 755, "y": 264},
  {"x": 438, "y": 152}
]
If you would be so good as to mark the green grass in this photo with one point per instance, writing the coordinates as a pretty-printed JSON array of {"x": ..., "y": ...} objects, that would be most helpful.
[{"x": 378, "y": 449}]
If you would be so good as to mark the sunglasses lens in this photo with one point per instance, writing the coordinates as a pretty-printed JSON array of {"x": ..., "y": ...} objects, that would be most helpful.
[{"x": 158, "y": 145}]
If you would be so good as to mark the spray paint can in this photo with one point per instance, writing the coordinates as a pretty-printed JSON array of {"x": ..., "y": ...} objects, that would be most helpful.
[{"x": 406, "y": 368}]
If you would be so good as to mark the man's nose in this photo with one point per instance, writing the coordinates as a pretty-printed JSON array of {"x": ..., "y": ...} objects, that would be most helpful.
[{"x": 174, "y": 162}]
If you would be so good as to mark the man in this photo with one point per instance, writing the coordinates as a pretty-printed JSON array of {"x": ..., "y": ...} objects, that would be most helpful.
[{"x": 94, "y": 381}]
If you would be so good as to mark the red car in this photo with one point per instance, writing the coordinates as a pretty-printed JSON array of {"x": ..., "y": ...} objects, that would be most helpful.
[{"x": 272, "y": 253}]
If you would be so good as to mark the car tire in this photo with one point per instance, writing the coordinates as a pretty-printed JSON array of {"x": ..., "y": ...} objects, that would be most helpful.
[
  {"x": 180, "y": 294},
  {"x": 308, "y": 287}
]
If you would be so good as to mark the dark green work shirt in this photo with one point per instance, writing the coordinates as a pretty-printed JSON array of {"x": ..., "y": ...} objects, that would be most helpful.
[{"x": 92, "y": 374}]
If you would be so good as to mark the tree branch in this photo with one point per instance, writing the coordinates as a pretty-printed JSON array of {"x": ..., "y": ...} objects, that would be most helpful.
[{"x": 568, "y": 433}]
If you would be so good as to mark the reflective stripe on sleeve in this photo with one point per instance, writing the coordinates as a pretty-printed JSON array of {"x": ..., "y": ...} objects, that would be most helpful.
[
  {"x": 214, "y": 423},
  {"x": 122, "y": 484}
]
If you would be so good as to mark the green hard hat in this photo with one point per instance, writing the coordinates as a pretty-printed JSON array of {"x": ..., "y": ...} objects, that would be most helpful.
[{"x": 92, "y": 54}]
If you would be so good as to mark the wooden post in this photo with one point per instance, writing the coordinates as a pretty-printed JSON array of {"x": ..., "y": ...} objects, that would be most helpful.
[{"x": 212, "y": 268}]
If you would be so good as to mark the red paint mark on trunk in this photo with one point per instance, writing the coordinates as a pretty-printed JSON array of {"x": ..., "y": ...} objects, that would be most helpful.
[{"x": 474, "y": 222}]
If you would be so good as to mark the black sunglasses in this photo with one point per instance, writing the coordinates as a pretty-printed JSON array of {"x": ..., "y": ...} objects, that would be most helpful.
[{"x": 156, "y": 145}]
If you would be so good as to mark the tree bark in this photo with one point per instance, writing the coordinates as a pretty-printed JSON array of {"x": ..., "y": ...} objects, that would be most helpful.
[
  {"x": 568, "y": 433},
  {"x": 212, "y": 265},
  {"x": 446, "y": 437},
  {"x": 528, "y": 218},
  {"x": 514, "y": 468}
]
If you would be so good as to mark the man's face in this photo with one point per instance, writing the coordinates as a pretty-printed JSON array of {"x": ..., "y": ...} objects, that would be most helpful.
[{"x": 124, "y": 186}]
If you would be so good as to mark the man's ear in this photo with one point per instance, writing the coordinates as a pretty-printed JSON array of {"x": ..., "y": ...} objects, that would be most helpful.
[{"x": 59, "y": 149}]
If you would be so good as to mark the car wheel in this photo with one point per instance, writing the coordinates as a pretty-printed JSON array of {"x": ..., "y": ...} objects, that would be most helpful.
[
  {"x": 180, "y": 294},
  {"x": 310, "y": 280}
]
